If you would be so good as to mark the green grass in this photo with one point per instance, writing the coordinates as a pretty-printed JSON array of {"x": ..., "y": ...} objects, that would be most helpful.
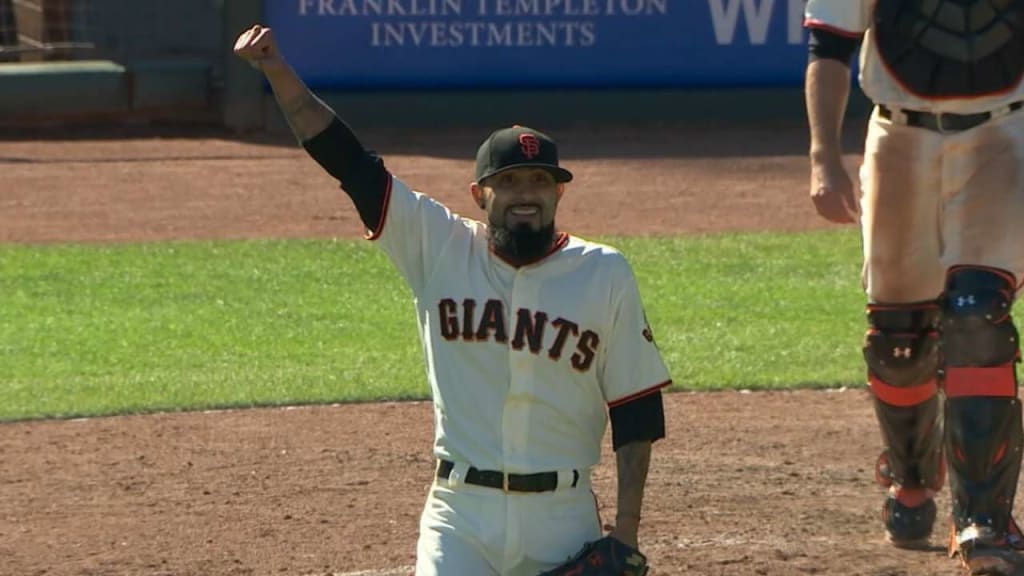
[
  {"x": 86, "y": 330},
  {"x": 755, "y": 310},
  {"x": 90, "y": 330}
]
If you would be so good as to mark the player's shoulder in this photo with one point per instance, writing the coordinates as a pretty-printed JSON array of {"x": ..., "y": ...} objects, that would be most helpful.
[
  {"x": 591, "y": 248},
  {"x": 596, "y": 253},
  {"x": 417, "y": 199}
]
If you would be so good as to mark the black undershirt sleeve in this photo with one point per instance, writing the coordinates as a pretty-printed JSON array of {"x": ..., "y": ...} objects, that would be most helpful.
[
  {"x": 640, "y": 419},
  {"x": 825, "y": 44},
  {"x": 361, "y": 173}
]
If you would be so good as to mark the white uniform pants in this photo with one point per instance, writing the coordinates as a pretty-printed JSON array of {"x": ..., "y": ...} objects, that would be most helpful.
[
  {"x": 468, "y": 530},
  {"x": 931, "y": 200}
]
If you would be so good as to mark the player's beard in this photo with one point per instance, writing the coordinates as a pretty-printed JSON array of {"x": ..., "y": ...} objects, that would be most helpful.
[{"x": 522, "y": 243}]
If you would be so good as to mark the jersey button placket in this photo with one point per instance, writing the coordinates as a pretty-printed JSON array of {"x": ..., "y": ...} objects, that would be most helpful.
[
  {"x": 515, "y": 427},
  {"x": 515, "y": 433}
]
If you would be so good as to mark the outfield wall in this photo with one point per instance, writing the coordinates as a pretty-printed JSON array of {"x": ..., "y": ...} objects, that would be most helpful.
[
  {"x": 448, "y": 63},
  {"x": 441, "y": 63}
]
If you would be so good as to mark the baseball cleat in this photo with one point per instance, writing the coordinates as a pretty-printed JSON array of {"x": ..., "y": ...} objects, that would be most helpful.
[
  {"x": 983, "y": 551},
  {"x": 908, "y": 526}
]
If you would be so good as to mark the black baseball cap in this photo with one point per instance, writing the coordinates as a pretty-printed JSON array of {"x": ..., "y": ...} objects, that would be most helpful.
[{"x": 518, "y": 147}]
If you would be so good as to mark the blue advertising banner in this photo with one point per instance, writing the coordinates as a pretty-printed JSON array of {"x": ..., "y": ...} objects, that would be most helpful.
[{"x": 541, "y": 43}]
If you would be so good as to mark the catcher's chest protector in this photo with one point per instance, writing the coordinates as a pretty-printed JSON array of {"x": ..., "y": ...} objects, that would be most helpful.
[{"x": 952, "y": 48}]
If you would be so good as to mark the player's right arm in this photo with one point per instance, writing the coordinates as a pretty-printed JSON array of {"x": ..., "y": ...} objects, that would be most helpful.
[
  {"x": 324, "y": 136},
  {"x": 418, "y": 225},
  {"x": 836, "y": 28}
]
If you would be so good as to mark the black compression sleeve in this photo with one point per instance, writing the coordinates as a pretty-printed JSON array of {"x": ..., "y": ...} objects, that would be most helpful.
[
  {"x": 361, "y": 172},
  {"x": 827, "y": 44},
  {"x": 639, "y": 419}
]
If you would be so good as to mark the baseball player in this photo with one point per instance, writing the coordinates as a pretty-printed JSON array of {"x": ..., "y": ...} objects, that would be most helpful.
[
  {"x": 942, "y": 199},
  {"x": 532, "y": 339}
]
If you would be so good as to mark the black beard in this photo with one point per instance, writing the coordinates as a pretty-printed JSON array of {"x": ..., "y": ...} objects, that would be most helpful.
[{"x": 522, "y": 243}]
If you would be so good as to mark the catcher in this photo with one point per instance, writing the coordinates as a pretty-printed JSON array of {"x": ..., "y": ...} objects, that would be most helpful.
[
  {"x": 940, "y": 210},
  {"x": 534, "y": 340}
]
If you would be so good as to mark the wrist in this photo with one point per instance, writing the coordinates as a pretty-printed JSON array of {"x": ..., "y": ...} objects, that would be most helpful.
[
  {"x": 627, "y": 518},
  {"x": 273, "y": 67},
  {"x": 826, "y": 154}
]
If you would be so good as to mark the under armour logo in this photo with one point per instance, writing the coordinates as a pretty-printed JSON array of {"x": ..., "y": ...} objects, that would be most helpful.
[
  {"x": 529, "y": 144},
  {"x": 898, "y": 352},
  {"x": 962, "y": 301}
]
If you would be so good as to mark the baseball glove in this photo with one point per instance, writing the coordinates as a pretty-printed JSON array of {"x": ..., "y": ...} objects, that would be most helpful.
[{"x": 604, "y": 557}]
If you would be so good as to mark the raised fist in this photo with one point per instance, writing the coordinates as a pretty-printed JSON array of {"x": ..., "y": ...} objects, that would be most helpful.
[{"x": 258, "y": 47}]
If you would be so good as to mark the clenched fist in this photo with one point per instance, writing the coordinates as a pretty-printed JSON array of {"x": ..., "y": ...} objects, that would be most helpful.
[{"x": 258, "y": 47}]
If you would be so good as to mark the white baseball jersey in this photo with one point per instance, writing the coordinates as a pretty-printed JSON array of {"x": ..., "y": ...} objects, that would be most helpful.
[
  {"x": 522, "y": 362},
  {"x": 930, "y": 200},
  {"x": 853, "y": 18}
]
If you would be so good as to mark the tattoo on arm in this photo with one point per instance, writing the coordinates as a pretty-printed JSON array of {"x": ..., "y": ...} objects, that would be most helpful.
[
  {"x": 307, "y": 115},
  {"x": 633, "y": 460}
]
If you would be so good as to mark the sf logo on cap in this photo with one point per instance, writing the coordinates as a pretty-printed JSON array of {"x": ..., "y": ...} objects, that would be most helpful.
[{"x": 529, "y": 145}]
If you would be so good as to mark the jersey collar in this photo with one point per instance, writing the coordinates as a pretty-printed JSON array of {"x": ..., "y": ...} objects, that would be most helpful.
[{"x": 560, "y": 241}]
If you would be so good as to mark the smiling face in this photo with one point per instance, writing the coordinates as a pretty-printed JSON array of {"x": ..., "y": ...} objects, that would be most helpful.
[
  {"x": 519, "y": 197},
  {"x": 520, "y": 204}
]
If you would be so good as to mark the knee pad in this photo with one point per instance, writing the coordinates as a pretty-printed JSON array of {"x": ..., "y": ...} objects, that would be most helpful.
[
  {"x": 901, "y": 353},
  {"x": 979, "y": 340}
]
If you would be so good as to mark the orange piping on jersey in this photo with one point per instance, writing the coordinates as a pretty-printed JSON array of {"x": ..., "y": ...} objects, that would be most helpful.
[
  {"x": 933, "y": 98},
  {"x": 818, "y": 24},
  {"x": 374, "y": 234},
  {"x": 639, "y": 394},
  {"x": 560, "y": 243}
]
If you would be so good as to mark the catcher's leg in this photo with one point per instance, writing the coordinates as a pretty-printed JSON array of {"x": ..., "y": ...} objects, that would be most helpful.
[
  {"x": 983, "y": 416},
  {"x": 901, "y": 352}
]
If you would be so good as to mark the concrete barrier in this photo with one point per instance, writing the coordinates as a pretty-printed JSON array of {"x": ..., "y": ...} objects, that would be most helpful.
[{"x": 91, "y": 89}]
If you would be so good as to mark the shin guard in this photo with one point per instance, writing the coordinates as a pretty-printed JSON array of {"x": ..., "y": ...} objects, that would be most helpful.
[
  {"x": 901, "y": 353},
  {"x": 983, "y": 435}
]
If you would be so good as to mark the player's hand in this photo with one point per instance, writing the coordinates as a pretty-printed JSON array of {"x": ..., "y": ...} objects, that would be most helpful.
[
  {"x": 832, "y": 191},
  {"x": 258, "y": 47}
]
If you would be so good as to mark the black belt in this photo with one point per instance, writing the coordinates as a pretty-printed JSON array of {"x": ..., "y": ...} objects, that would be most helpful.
[
  {"x": 944, "y": 122},
  {"x": 540, "y": 482}
]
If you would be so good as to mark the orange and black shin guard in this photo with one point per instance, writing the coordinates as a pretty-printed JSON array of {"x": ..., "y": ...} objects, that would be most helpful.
[
  {"x": 901, "y": 352},
  {"x": 983, "y": 438}
]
